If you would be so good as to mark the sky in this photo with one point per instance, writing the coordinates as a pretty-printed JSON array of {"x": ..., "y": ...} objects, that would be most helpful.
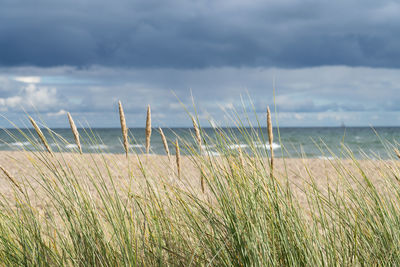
[{"x": 315, "y": 62}]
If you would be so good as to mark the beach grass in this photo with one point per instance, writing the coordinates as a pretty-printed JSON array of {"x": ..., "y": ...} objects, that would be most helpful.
[{"x": 234, "y": 209}]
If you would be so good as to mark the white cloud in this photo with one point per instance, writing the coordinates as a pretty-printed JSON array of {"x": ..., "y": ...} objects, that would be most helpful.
[
  {"x": 28, "y": 79},
  {"x": 13, "y": 101},
  {"x": 31, "y": 96},
  {"x": 61, "y": 112},
  {"x": 375, "y": 117},
  {"x": 299, "y": 116},
  {"x": 337, "y": 116},
  {"x": 40, "y": 97}
]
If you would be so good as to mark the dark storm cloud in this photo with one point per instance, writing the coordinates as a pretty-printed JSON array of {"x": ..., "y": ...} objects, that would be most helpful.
[{"x": 197, "y": 34}]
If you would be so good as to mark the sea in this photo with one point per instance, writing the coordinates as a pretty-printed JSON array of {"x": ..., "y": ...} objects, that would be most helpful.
[{"x": 290, "y": 142}]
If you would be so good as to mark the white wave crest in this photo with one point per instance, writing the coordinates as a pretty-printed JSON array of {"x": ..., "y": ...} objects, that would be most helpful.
[
  {"x": 100, "y": 146},
  {"x": 237, "y": 146},
  {"x": 213, "y": 153},
  {"x": 71, "y": 146},
  {"x": 20, "y": 144},
  {"x": 207, "y": 147},
  {"x": 274, "y": 146},
  {"x": 136, "y": 146},
  {"x": 326, "y": 158}
]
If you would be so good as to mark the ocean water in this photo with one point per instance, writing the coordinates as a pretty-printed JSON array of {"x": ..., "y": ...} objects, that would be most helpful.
[{"x": 316, "y": 142}]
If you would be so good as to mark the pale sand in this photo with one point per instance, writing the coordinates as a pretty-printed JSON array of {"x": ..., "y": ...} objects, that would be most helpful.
[{"x": 323, "y": 171}]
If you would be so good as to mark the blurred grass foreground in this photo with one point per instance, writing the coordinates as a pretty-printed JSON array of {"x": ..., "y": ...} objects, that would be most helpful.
[{"x": 236, "y": 208}]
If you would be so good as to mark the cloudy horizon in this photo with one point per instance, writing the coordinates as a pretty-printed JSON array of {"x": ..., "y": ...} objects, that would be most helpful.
[{"x": 329, "y": 62}]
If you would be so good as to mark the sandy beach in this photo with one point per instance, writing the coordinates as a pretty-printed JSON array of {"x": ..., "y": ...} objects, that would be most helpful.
[{"x": 26, "y": 168}]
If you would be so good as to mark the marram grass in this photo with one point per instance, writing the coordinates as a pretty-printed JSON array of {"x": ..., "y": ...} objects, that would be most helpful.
[
  {"x": 178, "y": 158},
  {"x": 75, "y": 132},
  {"x": 270, "y": 139},
  {"x": 165, "y": 143},
  {"x": 41, "y": 135},
  {"x": 75, "y": 209},
  {"x": 148, "y": 129},
  {"x": 124, "y": 128}
]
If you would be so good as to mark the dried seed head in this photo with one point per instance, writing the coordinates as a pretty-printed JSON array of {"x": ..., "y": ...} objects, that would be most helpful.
[
  {"x": 10, "y": 178},
  {"x": 397, "y": 152},
  {"x": 41, "y": 135},
  {"x": 124, "y": 129},
  {"x": 178, "y": 158},
  {"x": 270, "y": 138},
  {"x": 165, "y": 143},
  {"x": 148, "y": 129},
  {"x": 74, "y": 132},
  {"x": 196, "y": 131},
  {"x": 202, "y": 176}
]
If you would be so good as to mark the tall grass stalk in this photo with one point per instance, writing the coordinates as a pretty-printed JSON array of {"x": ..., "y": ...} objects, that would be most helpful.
[
  {"x": 11, "y": 178},
  {"x": 178, "y": 158},
  {"x": 270, "y": 139},
  {"x": 165, "y": 143},
  {"x": 148, "y": 129},
  {"x": 75, "y": 132},
  {"x": 41, "y": 135},
  {"x": 124, "y": 128}
]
